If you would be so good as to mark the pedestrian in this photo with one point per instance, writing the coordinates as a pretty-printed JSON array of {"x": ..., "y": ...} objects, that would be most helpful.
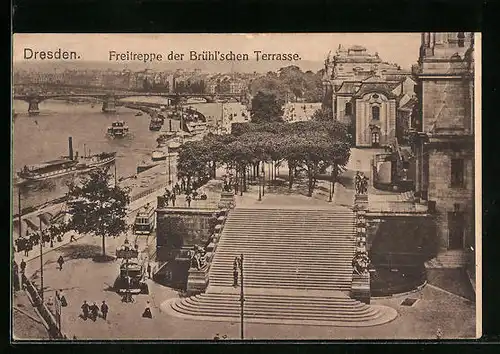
[
  {"x": 94, "y": 310},
  {"x": 147, "y": 311},
  {"x": 85, "y": 310},
  {"x": 173, "y": 199},
  {"x": 62, "y": 298},
  {"x": 104, "y": 309},
  {"x": 439, "y": 334},
  {"x": 235, "y": 273},
  {"x": 60, "y": 261},
  {"x": 72, "y": 238},
  {"x": 217, "y": 337},
  {"x": 28, "y": 246},
  {"x": 188, "y": 200},
  {"x": 23, "y": 266},
  {"x": 149, "y": 270},
  {"x": 51, "y": 242}
]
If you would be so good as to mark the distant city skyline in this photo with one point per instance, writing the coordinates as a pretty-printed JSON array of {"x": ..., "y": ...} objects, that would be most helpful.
[{"x": 399, "y": 48}]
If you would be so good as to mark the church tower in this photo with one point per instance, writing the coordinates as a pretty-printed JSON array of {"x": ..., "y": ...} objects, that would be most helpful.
[{"x": 443, "y": 139}]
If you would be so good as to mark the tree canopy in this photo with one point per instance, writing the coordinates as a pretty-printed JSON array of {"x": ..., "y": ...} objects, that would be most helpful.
[
  {"x": 98, "y": 208},
  {"x": 311, "y": 146},
  {"x": 266, "y": 108}
]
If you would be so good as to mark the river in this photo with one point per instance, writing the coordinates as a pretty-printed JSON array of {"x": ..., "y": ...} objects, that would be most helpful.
[{"x": 45, "y": 137}]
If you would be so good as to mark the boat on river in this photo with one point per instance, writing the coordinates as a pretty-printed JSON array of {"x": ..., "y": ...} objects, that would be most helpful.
[
  {"x": 158, "y": 155},
  {"x": 118, "y": 129},
  {"x": 155, "y": 124},
  {"x": 66, "y": 165},
  {"x": 144, "y": 166}
]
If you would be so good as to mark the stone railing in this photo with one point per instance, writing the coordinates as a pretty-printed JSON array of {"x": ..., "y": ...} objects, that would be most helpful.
[
  {"x": 145, "y": 193},
  {"x": 42, "y": 308},
  {"x": 360, "y": 288},
  {"x": 198, "y": 279}
]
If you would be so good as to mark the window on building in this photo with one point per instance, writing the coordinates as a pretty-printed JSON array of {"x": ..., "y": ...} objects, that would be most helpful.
[
  {"x": 457, "y": 172},
  {"x": 375, "y": 112},
  {"x": 348, "y": 108},
  {"x": 461, "y": 39}
]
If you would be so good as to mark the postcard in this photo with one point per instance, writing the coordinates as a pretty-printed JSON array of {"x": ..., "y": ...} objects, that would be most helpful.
[{"x": 246, "y": 186}]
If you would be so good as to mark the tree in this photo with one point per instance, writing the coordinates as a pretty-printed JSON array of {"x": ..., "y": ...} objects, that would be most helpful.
[
  {"x": 266, "y": 108},
  {"x": 193, "y": 161},
  {"x": 98, "y": 208},
  {"x": 322, "y": 115}
]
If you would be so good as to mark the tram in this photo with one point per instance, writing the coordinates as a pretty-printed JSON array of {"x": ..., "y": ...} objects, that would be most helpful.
[{"x": 145, "y": 220}]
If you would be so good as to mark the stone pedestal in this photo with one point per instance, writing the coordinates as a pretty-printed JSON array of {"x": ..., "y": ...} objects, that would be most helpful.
[
  {"x": 197, "y": 280},
  {"x": 211, "y": 247},
  {"x": 360, "y": 289},
  {"x": 226, "y": 200},
  {"x": 361, "y": 201}
]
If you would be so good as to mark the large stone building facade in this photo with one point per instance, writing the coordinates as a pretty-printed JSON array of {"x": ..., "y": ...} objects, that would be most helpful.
[
  {"x": 365, "y": 93},
  {"x": 443, "y": 135}
]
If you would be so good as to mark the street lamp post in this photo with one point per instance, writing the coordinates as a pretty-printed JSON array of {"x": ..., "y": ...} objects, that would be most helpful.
[
  {"x": 169, "y": 171},
  {"x": 115, "y": 173},
  {"x": 263, "y": 179},
  {"x": 242, "y": 178},
  {"x": 19, "y": 210},
  {"x": 41, "y": 259},
  {"x": 331, "y": 186},
  {"x": 260, "y": 187},
  {"x": 58, "y": 308},
  {"x": 239, "y": 261}
]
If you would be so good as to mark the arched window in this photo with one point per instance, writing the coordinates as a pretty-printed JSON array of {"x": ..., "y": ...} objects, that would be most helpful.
[
  {"x": 375, "y": 112},
  {"x": 461, "y": 39},
  {"x": 348, "y": 108}
]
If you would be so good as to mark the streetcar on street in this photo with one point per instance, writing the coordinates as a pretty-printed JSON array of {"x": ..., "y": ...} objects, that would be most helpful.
[{"x": 144, "y": 222}]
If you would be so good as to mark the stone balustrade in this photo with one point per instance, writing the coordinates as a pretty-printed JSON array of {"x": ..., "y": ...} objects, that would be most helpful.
[{"x": 198, "y": 278}]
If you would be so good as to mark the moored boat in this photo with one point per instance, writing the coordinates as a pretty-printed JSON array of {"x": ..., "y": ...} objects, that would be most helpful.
[
  {"x": 144, "y": 166},
  {"x": 158, "y": 155},
  {"x": 66, "y": 165},
  {"x": 155, "y": 124}
]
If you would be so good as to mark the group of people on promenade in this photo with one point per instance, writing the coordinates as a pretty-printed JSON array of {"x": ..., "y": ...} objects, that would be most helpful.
[
  {"x": 189, "y": 189},
  {"x": 92, "y": 311},
  {"x": 31, "y": 239}
]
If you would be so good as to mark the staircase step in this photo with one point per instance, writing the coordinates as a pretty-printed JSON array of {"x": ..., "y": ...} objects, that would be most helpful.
[{"x": 305, "y": 251}]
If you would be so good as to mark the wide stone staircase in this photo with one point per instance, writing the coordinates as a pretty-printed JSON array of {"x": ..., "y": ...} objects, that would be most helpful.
[{"x": 297, "y": 270}]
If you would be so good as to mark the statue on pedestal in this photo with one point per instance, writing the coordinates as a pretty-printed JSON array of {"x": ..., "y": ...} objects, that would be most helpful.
[
  {"x": 198, "y": 257},
  {"x": 360, "y": 263},
  {"x": 361, "y": 183}
]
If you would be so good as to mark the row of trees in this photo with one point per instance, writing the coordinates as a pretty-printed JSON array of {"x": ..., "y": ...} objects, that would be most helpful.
[{"x": 311, "y": 146}]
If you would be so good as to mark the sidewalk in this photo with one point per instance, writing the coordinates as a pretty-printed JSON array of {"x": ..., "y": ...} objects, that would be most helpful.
[{"x": 34, "y": 254}]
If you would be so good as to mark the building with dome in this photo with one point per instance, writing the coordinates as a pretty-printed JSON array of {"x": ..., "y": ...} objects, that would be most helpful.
[{"x": 365, "y": 93}]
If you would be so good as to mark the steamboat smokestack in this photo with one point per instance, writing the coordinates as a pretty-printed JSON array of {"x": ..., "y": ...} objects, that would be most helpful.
[{"x": 70, "y": 144}]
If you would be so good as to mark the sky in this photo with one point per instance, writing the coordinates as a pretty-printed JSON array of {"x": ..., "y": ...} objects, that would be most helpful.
[{"x": 400, "y": 48}]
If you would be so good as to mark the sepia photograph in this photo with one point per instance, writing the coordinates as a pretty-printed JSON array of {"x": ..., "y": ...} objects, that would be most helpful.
[{"x": 246, "y": 186}]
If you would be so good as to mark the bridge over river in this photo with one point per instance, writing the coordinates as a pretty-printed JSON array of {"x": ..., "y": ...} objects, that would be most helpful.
[{"x": 111, "y": 100}]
